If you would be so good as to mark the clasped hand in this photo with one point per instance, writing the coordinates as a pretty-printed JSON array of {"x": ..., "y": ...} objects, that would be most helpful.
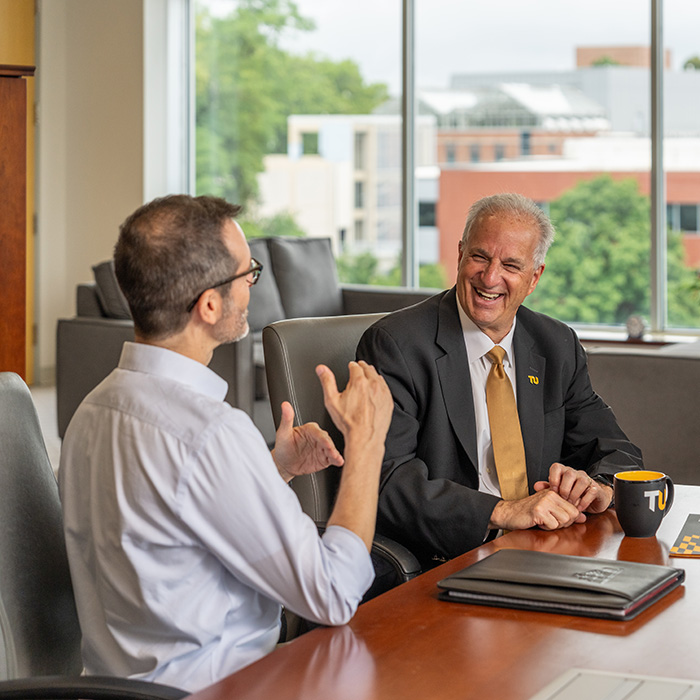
[{"x": 559, "y": 502}]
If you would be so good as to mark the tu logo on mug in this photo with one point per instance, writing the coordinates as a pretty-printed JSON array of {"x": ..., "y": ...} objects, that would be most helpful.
[
  {"x": 642, "y": 499},
  {"x": 654, "y": 496}
]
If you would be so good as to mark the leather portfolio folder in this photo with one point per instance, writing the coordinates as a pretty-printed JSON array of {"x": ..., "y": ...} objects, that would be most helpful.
[{"x": 529, "y": 580}]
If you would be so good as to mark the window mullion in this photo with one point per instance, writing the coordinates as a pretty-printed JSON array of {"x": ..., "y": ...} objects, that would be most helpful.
[
  {"x": 659, "y": 310},
  {"x": 409, "y": 272}
]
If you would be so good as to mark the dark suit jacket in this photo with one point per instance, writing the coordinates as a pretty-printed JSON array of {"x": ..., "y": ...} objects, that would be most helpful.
[{"x": 428, "y": 497}]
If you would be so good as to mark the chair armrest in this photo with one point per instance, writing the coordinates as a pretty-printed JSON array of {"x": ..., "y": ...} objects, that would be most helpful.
[
  {"x": 366, "y": 299},
  {"x": 401, "y": 558},
  {"x": 393, "y": 565},
  {"x": 87, "y": 350},
  {"x": 86, "y": 688}
]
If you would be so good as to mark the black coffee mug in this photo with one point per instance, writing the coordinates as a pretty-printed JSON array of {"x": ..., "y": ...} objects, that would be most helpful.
[{"x": 642, "y": 499}]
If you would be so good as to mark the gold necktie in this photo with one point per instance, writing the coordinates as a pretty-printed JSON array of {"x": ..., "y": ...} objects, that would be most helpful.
[{"x": 508, "y": 450}]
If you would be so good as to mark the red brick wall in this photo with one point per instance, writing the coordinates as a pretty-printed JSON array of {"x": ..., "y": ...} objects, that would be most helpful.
[{"x": 624, "y": 55}]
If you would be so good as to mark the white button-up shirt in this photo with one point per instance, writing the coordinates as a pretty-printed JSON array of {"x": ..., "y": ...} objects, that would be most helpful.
[{"x": 183, "y": 539}]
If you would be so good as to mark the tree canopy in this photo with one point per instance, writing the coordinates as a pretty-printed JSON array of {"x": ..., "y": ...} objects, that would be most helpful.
[
  {"x": 693, "y": 63},
  {"x": 598, "y": 268},
  {"x": 364, "y": 269},
  {"x": 278, "y": 225},
  {"x": 605, "y": 61},
  {"x": 247, "y": 86}
]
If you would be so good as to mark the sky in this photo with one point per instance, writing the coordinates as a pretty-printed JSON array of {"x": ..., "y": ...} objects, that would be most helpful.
[{"x": 457, "y": 36}]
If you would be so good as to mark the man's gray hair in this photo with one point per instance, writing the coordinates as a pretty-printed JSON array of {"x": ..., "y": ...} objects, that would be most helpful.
[{"x": 514, "y": 205}]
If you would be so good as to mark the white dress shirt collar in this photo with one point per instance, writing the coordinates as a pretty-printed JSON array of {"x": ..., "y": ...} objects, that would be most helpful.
[
  {"x": 159, "y": 361},
  {"x": 478, "y": 343}
]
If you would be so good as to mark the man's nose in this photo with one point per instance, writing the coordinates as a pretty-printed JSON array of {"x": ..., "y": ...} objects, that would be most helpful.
[{"x": 491, "y": 274}]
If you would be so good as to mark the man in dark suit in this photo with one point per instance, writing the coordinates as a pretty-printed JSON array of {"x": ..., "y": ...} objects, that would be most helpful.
[{"x": 439, "y": 492}]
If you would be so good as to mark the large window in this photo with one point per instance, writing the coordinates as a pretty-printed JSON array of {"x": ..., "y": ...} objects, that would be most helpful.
[{"x": 299, "y": 117}]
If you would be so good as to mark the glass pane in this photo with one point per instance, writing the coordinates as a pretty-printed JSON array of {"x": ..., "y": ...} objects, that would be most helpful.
[
  {"x": 682, "y": 160},
  {"x": 549, "y": 99},
  {"x": 297, "y": 120}
]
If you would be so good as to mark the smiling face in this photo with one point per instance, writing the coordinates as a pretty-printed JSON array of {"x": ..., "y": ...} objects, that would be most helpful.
[{"x": 496, "y": 271}]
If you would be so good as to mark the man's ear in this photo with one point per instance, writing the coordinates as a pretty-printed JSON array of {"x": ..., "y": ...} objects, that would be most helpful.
[
  {"x": 536, "y": 278},
  {"x": 209, "y": 307}
]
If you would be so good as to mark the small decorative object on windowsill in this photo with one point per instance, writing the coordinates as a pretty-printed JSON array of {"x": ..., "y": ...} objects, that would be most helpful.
[{"x": 636, "y": 326}]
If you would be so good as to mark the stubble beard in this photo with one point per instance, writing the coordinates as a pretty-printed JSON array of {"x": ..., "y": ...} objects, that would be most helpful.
[{"x": 230, "y": 331}]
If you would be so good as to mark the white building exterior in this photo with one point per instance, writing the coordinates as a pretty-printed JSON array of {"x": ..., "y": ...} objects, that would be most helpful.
[{"x": 341, "y": 178}]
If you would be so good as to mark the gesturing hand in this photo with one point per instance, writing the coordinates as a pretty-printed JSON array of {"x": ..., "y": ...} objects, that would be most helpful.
[
  {"x": 363, "y": 410},
  {"x": 362, "y": 413},
  {"x": 303, "y": 449}
]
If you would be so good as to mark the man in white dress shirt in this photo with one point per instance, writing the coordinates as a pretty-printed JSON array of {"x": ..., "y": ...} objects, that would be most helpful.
[{"x": 183, "y": 537}]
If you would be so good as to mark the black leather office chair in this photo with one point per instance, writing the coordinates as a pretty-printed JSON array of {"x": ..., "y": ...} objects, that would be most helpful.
[
  {"x": 293, "y": 348},
  {"x": 39, "y": 631}
]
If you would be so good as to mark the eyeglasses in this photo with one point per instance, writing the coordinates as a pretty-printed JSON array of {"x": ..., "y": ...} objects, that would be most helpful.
[{"x": 255, "y": 269}]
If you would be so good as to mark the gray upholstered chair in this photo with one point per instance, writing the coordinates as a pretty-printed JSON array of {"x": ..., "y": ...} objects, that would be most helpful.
[
  {"x": 293, "y": 348},
  {"x": 39, "y": 631}
]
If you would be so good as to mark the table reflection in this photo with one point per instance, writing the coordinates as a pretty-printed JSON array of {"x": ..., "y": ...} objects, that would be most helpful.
[
  {"x": 646, "y": 549},
  {"x": 339, "y": 660},
  {"x": 585, "y": 540}
]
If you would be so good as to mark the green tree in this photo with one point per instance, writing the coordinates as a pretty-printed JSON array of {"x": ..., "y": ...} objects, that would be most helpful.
[
  {"x": 357, "y": 269},
  {"x": 363, "y": 269},
  {"x": 605, "y": 61},
  {"x": 693, "y": 63},
  {"x": 278, "y": 225},
  {"x": 598, "y": 266},
  {"x": 311, "y": 84},
  {"x": 247, "y": 86},
  {"x": 234, "y": 63},
  {"x": 432, "y": 275}
]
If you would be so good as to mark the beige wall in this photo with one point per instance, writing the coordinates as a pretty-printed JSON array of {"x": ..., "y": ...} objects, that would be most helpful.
[{"x": 90, "y": 146}]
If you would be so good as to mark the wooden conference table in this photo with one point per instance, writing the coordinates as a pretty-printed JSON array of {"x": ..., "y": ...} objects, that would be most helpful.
[{"x": 408, "y": 644}]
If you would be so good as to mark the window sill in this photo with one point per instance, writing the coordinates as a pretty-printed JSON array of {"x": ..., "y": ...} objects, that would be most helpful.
[{"x": 592, "y": 337}]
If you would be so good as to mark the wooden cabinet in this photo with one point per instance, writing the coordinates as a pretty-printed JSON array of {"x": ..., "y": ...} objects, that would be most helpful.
[{"x": 13, "y": 217}]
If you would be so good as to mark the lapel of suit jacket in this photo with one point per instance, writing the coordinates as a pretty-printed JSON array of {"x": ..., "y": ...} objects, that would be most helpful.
[
  {"x": 453, "y": 371},
  {"x": 530, "y": 375}
]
